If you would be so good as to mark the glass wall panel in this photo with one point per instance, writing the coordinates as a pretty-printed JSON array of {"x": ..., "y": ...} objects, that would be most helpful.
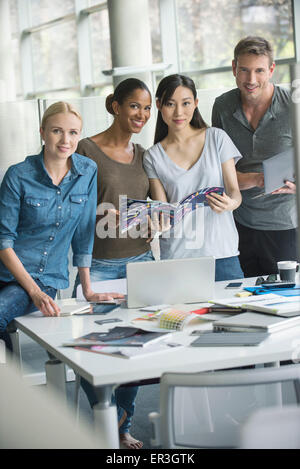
[
  {"x": 55, "y": 62},
  {"x": 94, "y": 115}
]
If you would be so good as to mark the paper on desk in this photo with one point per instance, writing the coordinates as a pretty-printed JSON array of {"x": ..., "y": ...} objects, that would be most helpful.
[
  {"x": 238, "y": 302},
  {"x": 154, "y": 308}
]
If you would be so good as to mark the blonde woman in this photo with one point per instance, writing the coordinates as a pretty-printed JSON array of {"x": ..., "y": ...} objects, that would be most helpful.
[{"x": 47, "y": 203}]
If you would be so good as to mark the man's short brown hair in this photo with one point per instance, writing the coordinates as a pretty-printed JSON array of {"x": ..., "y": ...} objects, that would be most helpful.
[{"x": 254, "y": 45}]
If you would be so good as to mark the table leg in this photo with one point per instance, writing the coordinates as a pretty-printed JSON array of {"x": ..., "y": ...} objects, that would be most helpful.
[
  {"x": 56, "y": 376},
  {"x": 105, "y": 418},
  {"x": 276, "y": 390},
  {"x": 15, "y": 340}
]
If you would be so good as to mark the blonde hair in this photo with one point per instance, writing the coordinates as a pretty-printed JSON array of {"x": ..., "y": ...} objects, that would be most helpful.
[{"x": 61, "y": 107}]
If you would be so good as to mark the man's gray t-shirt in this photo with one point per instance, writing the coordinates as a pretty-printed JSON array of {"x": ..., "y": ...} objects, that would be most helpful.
[
  {"x": 202, "y": 232},
  {"x": 272, "y": 136}
]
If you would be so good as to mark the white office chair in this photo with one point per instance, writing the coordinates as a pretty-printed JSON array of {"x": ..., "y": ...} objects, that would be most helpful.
[
  {"x": 35, "y": 418},
  {"x": 207, "y": 409},
  {"x": 272, "y": 428}
]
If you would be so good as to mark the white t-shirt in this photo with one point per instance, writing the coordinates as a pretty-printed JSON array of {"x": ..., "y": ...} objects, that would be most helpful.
[{"x": 201, "y": 232}]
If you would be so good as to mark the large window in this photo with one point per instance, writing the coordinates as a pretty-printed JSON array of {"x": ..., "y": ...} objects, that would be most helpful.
[
  {"x": 15, "y": 45},
  {"x": 42, "y": 11},
  {"x": 64, "y": 46},
  {"x": 155, "y": 31},
  {"x": 100, "y": 40},
  {"x": 54, "y": 66},
  {"x": 209, "y": 29}
]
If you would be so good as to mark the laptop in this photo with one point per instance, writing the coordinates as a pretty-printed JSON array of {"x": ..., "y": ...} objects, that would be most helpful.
[{"x": 172, "y": 281}]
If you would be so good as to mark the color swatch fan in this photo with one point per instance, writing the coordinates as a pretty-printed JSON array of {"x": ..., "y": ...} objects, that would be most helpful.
[{"x": 175, "y": 319}]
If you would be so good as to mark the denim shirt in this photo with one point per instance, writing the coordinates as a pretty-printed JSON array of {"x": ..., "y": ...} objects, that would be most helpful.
[{"x": 40, "y": 220}]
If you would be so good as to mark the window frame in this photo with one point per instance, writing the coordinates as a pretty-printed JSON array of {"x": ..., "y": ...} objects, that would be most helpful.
[{"x": 86, "y": 87}]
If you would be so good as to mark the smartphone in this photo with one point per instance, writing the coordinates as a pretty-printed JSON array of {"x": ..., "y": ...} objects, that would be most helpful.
[
  {"x": 234, "y": 285},
  {"x": 103, "y": 308}
]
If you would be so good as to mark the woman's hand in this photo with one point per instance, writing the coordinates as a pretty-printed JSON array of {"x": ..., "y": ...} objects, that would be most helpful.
[
  {"x": 221, "y": 203},
  {"x": 45, "y": 303},
  {"x": 288, "y": 188}
]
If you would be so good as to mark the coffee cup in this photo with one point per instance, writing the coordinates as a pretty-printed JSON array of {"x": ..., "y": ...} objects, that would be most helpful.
[{"x": 287, "y": 270}]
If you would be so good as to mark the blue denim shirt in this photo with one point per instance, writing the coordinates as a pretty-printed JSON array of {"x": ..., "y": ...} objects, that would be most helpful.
[{"x": 40, "y": 220}]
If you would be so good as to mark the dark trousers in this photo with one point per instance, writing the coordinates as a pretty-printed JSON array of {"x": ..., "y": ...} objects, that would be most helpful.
[{"x": 261, "y": 250}]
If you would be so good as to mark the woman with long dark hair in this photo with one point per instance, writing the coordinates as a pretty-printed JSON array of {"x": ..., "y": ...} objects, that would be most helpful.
[
  {"x": 188, "y": 156},
  {"x": 120, "y": 172}
]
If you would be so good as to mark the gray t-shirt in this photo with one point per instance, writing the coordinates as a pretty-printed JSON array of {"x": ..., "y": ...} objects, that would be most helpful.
[
  {"x": 201, "y": 232},
  {"x": 272, "y": 136}
]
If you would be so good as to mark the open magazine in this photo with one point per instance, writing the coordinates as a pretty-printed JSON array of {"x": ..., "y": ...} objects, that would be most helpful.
[{"x": 134, "y": 212}]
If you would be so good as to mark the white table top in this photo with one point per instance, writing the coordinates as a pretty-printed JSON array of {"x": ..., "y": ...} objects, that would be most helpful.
[{"x": 103, "y": 370}]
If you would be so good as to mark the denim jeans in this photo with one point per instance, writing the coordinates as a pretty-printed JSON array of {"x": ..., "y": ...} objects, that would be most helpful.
[
  {"x": 14, "y": 302},
  {"x": 228, "y": 268},
  {"x": 109, "y": 269}
]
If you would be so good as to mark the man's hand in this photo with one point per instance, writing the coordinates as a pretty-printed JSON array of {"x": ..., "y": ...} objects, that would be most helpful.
[{"x": 288, "y": 188}]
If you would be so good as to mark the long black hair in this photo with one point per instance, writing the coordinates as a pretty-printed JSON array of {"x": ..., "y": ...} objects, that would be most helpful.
[
  {"x": 124, "y": 89},
  {"x": 164, "y": 92}
]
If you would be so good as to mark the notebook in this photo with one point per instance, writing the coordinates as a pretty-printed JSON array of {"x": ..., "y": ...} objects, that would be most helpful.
[
  {"x": 255, "y": 321},
  {"x": 71, "y": 306},
  {"x": 229, "y": 339},
  {"x": 172, "y": 281}
]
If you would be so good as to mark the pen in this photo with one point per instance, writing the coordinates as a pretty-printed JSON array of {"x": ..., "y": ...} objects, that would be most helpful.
[{"x": 106, "y": 321}]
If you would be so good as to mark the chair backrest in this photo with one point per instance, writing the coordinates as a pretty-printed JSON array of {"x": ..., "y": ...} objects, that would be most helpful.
[
  {"x": 208, "y": 409},
  {"x": 272, "y": 428}
]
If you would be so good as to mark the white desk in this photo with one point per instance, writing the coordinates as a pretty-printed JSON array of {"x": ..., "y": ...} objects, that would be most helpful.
[{"x": 104, "y": 372}]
